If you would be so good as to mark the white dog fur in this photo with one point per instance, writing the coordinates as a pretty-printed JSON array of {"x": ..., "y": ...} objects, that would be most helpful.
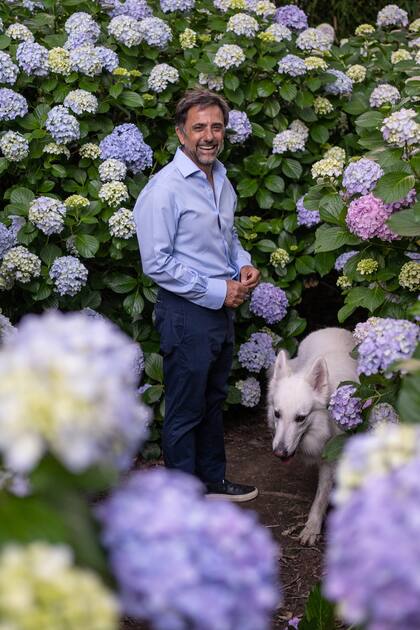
[{"x": 298, "y": 395}]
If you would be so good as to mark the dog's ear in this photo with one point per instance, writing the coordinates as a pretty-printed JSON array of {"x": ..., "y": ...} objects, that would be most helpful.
[
  {"x": 317, "y": 378},
  {"x": 281, "y": 366}
]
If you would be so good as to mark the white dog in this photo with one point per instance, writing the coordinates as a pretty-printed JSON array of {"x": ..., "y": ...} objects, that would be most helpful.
[{"x": 298, "y": 395}]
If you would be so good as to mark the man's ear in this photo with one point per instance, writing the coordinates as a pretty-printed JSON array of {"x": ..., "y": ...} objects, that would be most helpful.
[
  {"x": 281, "y": 366},
  {"x": 181, "y": 135}
]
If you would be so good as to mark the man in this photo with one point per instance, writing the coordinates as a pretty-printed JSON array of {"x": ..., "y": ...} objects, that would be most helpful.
[{"x": 189, "y": 247}]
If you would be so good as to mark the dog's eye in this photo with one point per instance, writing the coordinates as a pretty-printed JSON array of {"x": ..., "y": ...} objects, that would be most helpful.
[
  {"x": 300, "y": 418},
  {"x": 277, "y": 413}
]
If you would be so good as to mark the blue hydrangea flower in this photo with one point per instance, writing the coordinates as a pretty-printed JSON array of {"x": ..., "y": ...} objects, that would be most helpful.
[
  {"x": 86, "y": 59},
  {"x": 47, "y": 214},
  {"x": 169, "y": 6},
  {"x": 292, "y": 65},
  {"x": 82, "y": 22},
  {"x": 250, "y": 391},
  {"x": 342, "y": 86},
  {"x": 78, "y": 38},
  {"x": 126, "y": 30},
  {"x": 8, "y": 70},
  {"x": 12, "y": 104},
  {"x": 269, "y": 302},
  {"x": 126, "y": 143},
  {"x": 63, "y": 127},
  {"x": 33, "y": 58},
  {"x": 308, "y": 218},
  {"x": 69, "y": 275},
  {"x": 8, "y": 236},
  {"x": 292, "y": 17},
  {"x": 257, "y": 353},
  {"x": 14, "y": 146},
  {"x": 158, "y": 525},
  {"x": 360, "y": 177},
  {"x": 239, "y": 127},
  {"x": 345, "y": 408},
  {"x": 109, "y": 58},
  {"x": 343, "y": 259},
  {"x": 392, "y": 15},
  {"x": 137, "y": 9},
  {"x": 155, "y": 32},
  {"x": 383, "y": 341}
]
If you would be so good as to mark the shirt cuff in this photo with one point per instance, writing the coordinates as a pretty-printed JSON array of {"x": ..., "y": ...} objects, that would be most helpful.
[{"x": 215, "y": 295}]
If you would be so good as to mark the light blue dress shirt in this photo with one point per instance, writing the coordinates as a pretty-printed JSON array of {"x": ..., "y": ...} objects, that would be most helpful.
[{"x": 188, "y": 242}]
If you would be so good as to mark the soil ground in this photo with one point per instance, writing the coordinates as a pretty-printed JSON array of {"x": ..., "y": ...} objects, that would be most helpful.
[{"x": 286, "y": 492}]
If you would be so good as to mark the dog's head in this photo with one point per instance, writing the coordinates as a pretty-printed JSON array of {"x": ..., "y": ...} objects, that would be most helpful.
[{"x": 292, "y": 397}]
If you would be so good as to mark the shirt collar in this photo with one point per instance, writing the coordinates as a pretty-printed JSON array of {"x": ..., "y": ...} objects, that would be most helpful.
[{"x": 187, "y": 167}]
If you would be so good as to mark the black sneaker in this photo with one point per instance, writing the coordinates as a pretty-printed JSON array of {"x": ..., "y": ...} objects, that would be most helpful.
[{"x": 231, "y": 491}]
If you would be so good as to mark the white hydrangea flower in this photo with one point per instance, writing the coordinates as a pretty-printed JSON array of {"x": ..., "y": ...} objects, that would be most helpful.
[
  {"x": 81, "y": 101},
  {"x": 400, "y": 55},
  {"x": 160, "y": 77},
  {"x": 112, "y": 170},
  {"x": 20, "y": 264},
  {"x": 315, "y": 63},
  {"x": 276, "y": 33},
  {"x": 313, "y": 39},
  {"x": 20, "y": 32},
  {"x": 113, "y": 193},
  {"x": 356, "y": 73},
  {"x": 327, "y": 168},
  {"x": 126, "y": 30},
  {"x": 90, "y": 151},
  {"x": 121, "y": 224},
  {"x": 243, "y": 25},
  {"x": 229, "y": 56}
]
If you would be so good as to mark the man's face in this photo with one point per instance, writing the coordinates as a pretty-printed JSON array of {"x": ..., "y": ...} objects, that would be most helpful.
[{"x": 202, "y": 135}]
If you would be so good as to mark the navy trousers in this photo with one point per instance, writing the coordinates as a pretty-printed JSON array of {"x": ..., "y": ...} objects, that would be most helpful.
[{"x": 197, "y": 347}]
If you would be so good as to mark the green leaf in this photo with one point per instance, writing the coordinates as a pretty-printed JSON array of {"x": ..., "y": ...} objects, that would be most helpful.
[
  {"x": 291, "y": 168},
  {"x": 294, "y": 326},
  {"x": 247, "y": 187},
  {"x": 264, "y": 198},
  {"x": 22, "y": 197},
  {"x": 320, "y": 134},
  {"x": 134, "y": 304},
  {"x": 271, "y": 108},
  {"x": 152, "y": 394},
  {"x": 231, "y": 81},
  {"x": 319, "y": 612},
  {"x": 366, "y": 297},
  {"x": 288, "y": 91},
  {"x": 324, "y": 263},
  {"x": 131, "y": 99},
  {"x": 265, "y": 88},
  {"x": 409, "y": 396},
  {"x": 328, "y": 238},
  {"x": 49, "y": 253},
  {"x": 153, "y": 366},
  {"x": 234, "y": 396},
  {"x": 86, "y": 244},
  {"x": 58, "y": 170},
  {"x": 305, "y": 265},
  {"x": 258, "y": 130},
  {"x": 358, "y": 104},
  {"x": 120, "y": 282},
  {"x": 115, "y": 90},
  {"x": 275, "y": 183},
  {"x": 265, "y": 245},
  {"x": 370, "y": 120},
  {"x": 4, "y": 42},
  {"x": 4, "y": 164},
  {"x": 394, "y": 186},
  {"x": 332, "y": 209},
  {"x": 405, "y": 223}
]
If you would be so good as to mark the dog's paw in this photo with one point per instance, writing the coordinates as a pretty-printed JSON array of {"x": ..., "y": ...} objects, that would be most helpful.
[{"x": 309, "y": 535}]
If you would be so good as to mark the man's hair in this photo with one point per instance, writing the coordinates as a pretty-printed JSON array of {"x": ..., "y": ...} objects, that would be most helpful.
[{"x": 201, "y": 98}]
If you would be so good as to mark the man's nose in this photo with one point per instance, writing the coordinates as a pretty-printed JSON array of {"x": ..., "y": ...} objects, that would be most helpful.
[{"x": 208, "y": 135}]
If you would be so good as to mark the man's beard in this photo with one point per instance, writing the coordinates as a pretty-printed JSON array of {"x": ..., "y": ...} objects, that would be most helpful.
[{"x": 210, "y": 159}]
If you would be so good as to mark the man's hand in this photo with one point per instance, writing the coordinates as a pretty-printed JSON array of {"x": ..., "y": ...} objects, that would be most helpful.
[
  {"x": 249, "y": 276},
  {"x": 236, "y": 293}
]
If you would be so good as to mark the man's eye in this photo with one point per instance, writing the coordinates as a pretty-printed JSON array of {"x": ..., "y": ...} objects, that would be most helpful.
[
  {"x": 300, "y": 418},
  {"x": 277, "y": 413}
]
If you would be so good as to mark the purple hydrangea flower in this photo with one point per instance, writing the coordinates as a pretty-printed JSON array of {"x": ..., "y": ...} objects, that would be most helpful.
[
  {"x": 137, "y": 9},
  {"x": 182, "y": 562},
  {"x": 269, "y": 302},
  {"x": 250, "y": 391},
  {"x": 155, "y": 32},
  {"x": 63, "y": 127},
  {"x": 169, "y": 6},
  {"x": 126, "y": 143},
  {"x": 8, "y": 70},
  {"x": 12, "y": 104},
  {"x": 82, "y": 22},
  {"x": 384, "y": 93},
  {"x": 406, "y": 202},
  {"x": 78, "y": 38},
  {"x": 257, "y": 353},
  {"x": 109, "y": 58},
  {"x": 47, "y": 214},
  {"x": 345, "y": 408},
  {"x": 69, "y": 275},
  {"x": 343, "y": 259},
  {"x": 383, "y": 341},
  {"x": 361, "y": 176},
  {"x": 342, "y": 86},
  {"x": 8, "y": 236},
  {"x": 367, "y": 216},
  {"x": 383, "y": 412},
  {"x": 292, "y": 65},
  {"x": 240, "y": 126},
  {"x": 292, "y": 17},
  {"x": 401, "y": 128},
  {"x": 392, "y": 15},
  {"x": 375, "y": 578},
  {"x": 308, "y": 218}
]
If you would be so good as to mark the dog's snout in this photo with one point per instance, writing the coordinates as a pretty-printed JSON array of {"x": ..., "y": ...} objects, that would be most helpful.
[{"x": 280, "y": 451}]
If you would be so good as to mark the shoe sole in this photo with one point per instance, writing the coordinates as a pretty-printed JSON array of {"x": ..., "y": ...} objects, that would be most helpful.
[{"x": 234, "y": 498}]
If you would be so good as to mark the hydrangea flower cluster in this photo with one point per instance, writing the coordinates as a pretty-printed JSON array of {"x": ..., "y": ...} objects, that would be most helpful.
[
  {"x": 212, "y": 82},
  {"x": 279, "y": 258},
  {"x": 276, "y": 33},
  {"x": 313, "y": 39},
  {"x": 59, "y": 61},
  {"x": 239, "y": 127},
  {"x": 126, "y": 143},
  {"x": 121, "y": 224},
  {"x": 47, "y": 214},
  {"x": 62, "y": 125},
  {"x": 269, "y": 302},
  {"x": 329, "y": 168},
  {"x": 33, "y": 58},
  {"x": 345, "y": 408},
  {"x": 52, "y": 591},
  {"x": 292, "y": 139},
  {"x": 383, "y": 412},
  {"x": 155, "y": 32},
  {"x": 14, "y": 146},
  {"x": 113, "y": 193},
  {"x": 384, "y": 94},
  {"x": 8, "y": 70},
  {"x": 90, "y": 151},
  {"x": 308, "y": 218},
  {"x": 343, "y": 259},
  {"x": 322, "y": 106},
  {"x": 8, "y": 235},
  {"x": 12, "y": 105},
  {"x": 158, "y": 525},
  {"x": 188, "y": 39},
  {"x": 257, "y": 353},
  {"x": 243, "y": 25},
  {"x": 383, "y": 341},
  {"x": 86, "y": 59},
  {"x": 77, "y": 39},
  {"x": 137, "y": 9},
  {"x": 366, "y": 217},
  {"x": 126, "y": 30},
  {"x": 409, "y": 276},
  {"x": 109, "y": 58},
  {"x": 112, "y": 170},
  {"x": 76, "y": 202},
  {"x": 69, "y": 275},
  {"x": 392, "y": 15},
  {"x": 81, "y": 101},
  {"x": 315, "y": 63},
  {"x": 360, "y": 177},
  {"x": 292, "y": 17},
  {"x": 400, "y": 55},
  {"x": 250, "y": 391},
  {"x": 401, "y": 129},
  {"x": 342, "y": 86},
  {"x": 229, "y": 56},
  {"x": 81, "y": 22},
  {"x": 19, "y": 32},
  {"x": 356, "y": 73},
  {"x": 161, "y": 76},
  {"x": 78, "y": 398},
  {"x": 367, "y": 266},
  {"x": 374, "y": 579},
  {"x": 292, "y": 65},
  {"x": 169, "y": 6}
]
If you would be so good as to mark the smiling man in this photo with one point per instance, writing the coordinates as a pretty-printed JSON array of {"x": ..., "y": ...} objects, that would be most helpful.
[{"x": 190, "y": 248}]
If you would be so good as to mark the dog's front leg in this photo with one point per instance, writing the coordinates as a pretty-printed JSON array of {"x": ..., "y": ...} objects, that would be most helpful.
[{"x": 313, "y": 525}]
